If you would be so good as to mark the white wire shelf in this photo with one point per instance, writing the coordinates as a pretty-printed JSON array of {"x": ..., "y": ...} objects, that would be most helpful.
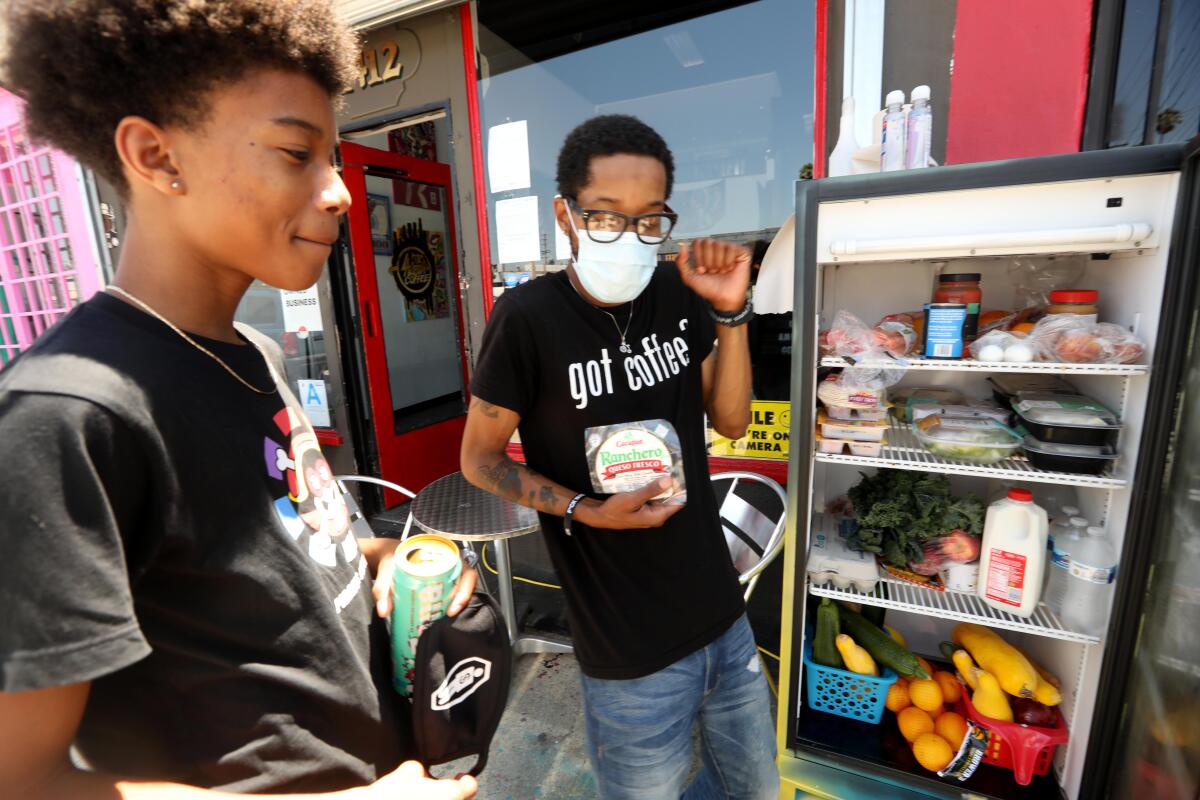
[
  {"x": 970, "y": 365},
  {"x": 903, "y": 596},
  {"x": 903, "y": 451}
]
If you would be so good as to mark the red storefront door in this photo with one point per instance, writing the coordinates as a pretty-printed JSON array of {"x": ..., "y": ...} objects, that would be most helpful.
[{"x": 405, "y": 253}]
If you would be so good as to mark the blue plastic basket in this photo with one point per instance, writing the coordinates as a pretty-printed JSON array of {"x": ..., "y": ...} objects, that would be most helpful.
[{"x": 845, "y": 693}]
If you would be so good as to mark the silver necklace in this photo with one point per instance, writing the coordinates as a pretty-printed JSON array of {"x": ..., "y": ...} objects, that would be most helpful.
[
  {"x": 191, "y": 341},
  {"x": 624, "y": 348}
]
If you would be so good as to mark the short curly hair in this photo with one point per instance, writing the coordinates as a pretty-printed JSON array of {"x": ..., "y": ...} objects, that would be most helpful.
[
  {"x": 608, "y": 135},
  {"x": 83, "y": 65}
]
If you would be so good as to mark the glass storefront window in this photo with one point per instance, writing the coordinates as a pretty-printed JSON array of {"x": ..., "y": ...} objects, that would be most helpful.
[
  {"x": 738, "y": 119},
  {"x": 731, "y": 92}
]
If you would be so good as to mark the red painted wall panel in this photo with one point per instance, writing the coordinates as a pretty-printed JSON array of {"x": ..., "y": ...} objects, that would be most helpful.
[{"x": 1019, "y": 86}]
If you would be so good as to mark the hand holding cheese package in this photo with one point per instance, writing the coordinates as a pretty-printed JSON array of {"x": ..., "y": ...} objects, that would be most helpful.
[{"x": 628, "y": 455}]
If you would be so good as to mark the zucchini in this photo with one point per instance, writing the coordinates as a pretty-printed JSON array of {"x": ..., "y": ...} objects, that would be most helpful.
[
  {"x": 874, "y": 615},
  {"x": 882, "y": 647},
  {"x": 825, "y": 650}
]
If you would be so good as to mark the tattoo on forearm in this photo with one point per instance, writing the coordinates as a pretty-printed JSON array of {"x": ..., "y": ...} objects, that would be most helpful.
[
  {"x": 485, "y": 408},
  {"x": 504, "y": 477},
  {"x": 518, "y": 483}
]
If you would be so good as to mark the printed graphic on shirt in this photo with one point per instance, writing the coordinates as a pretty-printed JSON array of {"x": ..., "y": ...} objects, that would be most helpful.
[
  {"x": 312, "y": 512},
  {"x": 658, "y": 361}
]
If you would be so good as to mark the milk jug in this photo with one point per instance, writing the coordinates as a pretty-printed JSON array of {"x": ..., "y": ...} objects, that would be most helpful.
[{"x": 1013, "y": 560}]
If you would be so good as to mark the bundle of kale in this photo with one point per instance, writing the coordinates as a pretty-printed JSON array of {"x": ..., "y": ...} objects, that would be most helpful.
[{"x": 898, "y": 510}]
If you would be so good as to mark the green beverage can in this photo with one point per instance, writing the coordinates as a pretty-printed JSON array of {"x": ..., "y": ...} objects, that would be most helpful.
[{"x": 427, "y": 567}]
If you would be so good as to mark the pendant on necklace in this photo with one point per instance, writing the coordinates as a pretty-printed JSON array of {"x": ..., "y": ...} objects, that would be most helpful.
[{"x": 624, "y": 348}]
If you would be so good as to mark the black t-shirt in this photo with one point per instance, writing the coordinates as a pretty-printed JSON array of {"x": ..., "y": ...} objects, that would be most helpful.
[
  {"x": 176, "y": 539},
  {"x": 637, "y": 600}
]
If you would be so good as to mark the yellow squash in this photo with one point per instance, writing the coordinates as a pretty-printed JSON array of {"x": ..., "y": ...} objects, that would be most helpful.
[
  {"x": 989, "y": 700},
  {"x": 966, "y": 668},
  {"x": 1014, "y": 672},
  {"x": 857, "y": 659}
]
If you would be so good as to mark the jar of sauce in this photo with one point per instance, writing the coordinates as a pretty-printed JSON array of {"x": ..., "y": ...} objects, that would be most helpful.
[
  {"x": 1075, "y": 301},
  {"x": 962, "y": 287}
]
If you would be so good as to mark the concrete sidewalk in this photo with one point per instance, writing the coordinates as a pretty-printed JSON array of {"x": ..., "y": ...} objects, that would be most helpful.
[{"x": 538, "y": 751}]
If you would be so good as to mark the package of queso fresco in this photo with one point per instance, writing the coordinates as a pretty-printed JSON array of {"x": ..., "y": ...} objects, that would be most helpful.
[{"x": 626, "y": 456}]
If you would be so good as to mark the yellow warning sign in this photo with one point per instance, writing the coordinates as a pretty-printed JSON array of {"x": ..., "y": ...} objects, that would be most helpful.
[{"x": 767, "y": 436}]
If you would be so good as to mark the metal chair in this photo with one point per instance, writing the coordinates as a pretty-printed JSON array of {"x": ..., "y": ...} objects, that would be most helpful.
[
  {"x": 754, "y": 538},
  {"x": 359, "y": 525}
]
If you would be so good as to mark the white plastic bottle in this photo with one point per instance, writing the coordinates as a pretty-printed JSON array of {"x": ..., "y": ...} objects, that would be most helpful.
[
  {"x": 1013, "y": 560},
  {"x": 842, "y": 158},
  {"x": 919, "y": 130},
  {"x": 1067, "y": 538},
  {"x": 891, "y": 156},
  {"x": 1089, "y": 585}
]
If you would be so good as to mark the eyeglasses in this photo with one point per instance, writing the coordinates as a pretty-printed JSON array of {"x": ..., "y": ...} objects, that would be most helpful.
[{"x": 604, "y": 226}]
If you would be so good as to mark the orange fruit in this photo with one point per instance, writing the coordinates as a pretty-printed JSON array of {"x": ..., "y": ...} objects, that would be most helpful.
[
  {"x": 928, "y": 667},
  {"x": 1023, "y": 327},
  {"x": 897, "y": 697},
  {"x": 988, "y": 317},
  {"x": 951, "y": 691},
  {"x": 951, "y": 727},
  {"x": 925, "y": 695},
  {"x": 932, "y": 752},
  {"x": 914, "y": 722}
]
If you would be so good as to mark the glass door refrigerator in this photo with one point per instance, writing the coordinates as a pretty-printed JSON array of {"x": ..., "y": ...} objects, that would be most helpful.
[{"x": 1122, "y": 223}]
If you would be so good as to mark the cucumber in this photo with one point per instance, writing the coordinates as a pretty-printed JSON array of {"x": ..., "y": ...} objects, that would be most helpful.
[
  {"x": 948, "y": 649},
  {"x": 874, "y": 615},
  {"x": 825, "y": 650},
  {"x": 882, "y": 647}
]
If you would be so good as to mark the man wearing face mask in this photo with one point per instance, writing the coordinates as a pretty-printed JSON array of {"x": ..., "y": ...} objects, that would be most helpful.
[{"x": 655, "y": 609}]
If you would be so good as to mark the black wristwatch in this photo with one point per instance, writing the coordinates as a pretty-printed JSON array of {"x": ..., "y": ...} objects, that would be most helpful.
[
  {"x": 739, "y": 317},
  {"x": 571, "y": 506}
]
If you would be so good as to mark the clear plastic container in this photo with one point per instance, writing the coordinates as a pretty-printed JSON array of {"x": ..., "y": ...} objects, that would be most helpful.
[
  {"x": 830, "y": 560},
  {"x": 983, "y": 441},
  {"x": 855, "y": 430},
  {"x": 1066, "y": 419},
  {"x": 905, "y": 398},
  {"x": 855, "y": 412}
]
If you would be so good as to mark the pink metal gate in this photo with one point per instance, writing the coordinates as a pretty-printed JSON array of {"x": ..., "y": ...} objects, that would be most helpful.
[{"x": 47, "y": 264}]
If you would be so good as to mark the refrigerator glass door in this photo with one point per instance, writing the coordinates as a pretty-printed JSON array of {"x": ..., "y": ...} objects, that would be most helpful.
[{"x": 1160, "y": 751}]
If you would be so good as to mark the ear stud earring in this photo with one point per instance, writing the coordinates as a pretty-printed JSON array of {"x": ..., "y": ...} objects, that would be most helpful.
[{"x": 175, "y": 185}]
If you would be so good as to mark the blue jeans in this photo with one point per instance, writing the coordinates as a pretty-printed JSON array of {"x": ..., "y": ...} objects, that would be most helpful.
[{"x": 639, "y": 731}]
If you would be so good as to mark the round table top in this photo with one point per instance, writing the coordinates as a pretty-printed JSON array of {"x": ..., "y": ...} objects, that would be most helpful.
[{"x": 453, "y": 508}]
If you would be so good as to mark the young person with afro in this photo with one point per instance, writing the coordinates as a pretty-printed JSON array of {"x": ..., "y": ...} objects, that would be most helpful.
[
  {"x": 185, "y": 615},
  {"x": 576, "y": 360}
]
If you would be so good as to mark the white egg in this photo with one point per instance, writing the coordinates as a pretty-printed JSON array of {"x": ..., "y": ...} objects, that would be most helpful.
[
  {"x": 991, "y": 352},
  {"x": 1018, "y": 352}
]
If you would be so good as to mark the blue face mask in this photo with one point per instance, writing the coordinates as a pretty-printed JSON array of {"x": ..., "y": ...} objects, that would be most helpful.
[{"x": 614, "y": 272}]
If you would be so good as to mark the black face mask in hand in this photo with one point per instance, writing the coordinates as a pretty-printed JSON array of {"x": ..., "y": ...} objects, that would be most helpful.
[{"x": 463, "y": 674}]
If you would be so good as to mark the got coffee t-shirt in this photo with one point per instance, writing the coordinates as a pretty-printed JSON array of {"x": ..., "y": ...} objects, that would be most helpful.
[{"x": 637, "y": 600}]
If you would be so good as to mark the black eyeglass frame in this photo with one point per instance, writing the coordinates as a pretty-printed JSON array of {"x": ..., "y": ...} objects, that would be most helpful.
[{"x": 585, "y": 213}]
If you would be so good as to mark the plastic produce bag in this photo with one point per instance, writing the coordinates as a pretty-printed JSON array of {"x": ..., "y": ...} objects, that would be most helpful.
[
  {"x": 1002, "y": 346},
  {"x": 850, "y": 338},
  {"x": 1069, "y": 338},
  {"x": 1033, "y": 279}
]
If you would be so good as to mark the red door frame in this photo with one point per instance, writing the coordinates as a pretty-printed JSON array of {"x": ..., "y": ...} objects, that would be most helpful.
[{"x": 433, "y": 449}]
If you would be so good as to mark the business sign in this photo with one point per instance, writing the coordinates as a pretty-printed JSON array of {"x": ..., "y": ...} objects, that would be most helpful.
[{"x": 767, "y": 436}]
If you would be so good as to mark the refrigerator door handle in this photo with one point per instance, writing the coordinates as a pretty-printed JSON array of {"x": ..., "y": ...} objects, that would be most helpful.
[{"x": 1054, "y": 237}]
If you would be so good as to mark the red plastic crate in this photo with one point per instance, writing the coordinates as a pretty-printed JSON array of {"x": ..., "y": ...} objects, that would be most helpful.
[{"x": 1025, "y": 749}]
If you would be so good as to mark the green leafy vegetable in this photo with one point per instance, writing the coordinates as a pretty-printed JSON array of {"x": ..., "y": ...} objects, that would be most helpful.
[{"x": 897, "y": 510}]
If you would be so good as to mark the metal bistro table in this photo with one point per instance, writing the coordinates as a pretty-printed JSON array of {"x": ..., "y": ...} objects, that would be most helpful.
[{"x": 454, "y": 508}]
